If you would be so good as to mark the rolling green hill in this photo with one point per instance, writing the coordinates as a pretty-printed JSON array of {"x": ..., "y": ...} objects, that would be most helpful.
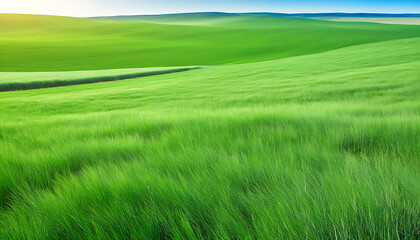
[
  {"x": 45, "y": 43},
  {"x": 322, "y": 146},
  {"x": 178, "y": 19}
]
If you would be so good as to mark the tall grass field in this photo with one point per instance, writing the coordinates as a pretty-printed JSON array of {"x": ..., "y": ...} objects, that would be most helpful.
[{"x": 289, "y": 129}]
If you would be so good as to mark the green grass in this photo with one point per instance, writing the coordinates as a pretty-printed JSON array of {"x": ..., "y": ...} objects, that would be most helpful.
[
  {"x": 45, "y": 43},
  {"x": 10, "y": 81},
  {"x": 323, "y": 146}
]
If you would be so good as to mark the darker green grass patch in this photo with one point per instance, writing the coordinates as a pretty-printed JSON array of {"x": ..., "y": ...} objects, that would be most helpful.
[{"x": 15, "y": 86}]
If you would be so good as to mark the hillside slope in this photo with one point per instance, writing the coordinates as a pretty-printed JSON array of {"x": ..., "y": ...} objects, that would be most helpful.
[
  {"x": 319, "y": 146},
  {"x": 46, "y": 43}
]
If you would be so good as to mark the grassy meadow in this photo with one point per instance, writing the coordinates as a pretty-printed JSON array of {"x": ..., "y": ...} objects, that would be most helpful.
[{"x": 296, "y": 129}]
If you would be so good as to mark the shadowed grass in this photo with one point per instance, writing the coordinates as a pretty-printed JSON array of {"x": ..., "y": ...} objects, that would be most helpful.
[{"x": 11, "y": 81}]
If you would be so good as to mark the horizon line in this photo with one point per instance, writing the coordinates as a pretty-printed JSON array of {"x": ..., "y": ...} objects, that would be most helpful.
[{"x": 220, "y": 12}]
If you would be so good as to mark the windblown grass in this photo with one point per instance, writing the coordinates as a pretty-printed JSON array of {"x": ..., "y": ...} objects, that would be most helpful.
[{"x": 324, "y": 146}]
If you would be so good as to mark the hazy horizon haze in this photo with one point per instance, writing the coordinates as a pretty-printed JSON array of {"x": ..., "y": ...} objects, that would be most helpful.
[{"x": 91, "y": 8}]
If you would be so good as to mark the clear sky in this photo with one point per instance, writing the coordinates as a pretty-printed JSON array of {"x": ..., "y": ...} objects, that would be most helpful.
[{"x": 84, "y": 8}]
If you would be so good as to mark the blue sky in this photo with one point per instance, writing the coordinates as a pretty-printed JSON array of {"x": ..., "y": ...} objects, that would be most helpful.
[{"x": 83, "y": 8}]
